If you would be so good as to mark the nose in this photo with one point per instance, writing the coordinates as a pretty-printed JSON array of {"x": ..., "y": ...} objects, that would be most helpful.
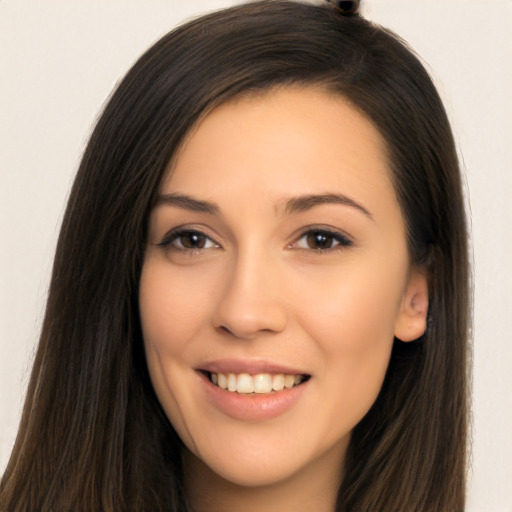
[{"x": 252, "y": 301}]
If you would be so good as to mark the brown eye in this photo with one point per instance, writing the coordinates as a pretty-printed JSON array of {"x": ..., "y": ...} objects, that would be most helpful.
[
  {"x": 319, "y": 240},
  {"x": 191, "y": 240},
  {"x": 187, "y": 240},
  {"x": 322, "y": 240}
]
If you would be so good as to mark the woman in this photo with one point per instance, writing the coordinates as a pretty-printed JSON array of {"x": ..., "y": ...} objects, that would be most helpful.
[{"x": 260, "y": 290}]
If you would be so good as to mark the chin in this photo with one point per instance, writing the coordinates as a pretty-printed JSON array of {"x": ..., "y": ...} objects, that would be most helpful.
[
  {"x": 244, "y": 474},
  {"x": 267, "y": 465}
]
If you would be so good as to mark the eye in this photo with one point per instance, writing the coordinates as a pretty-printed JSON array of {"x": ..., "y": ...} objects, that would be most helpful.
[
  {"x": 322, "y": 240},
  {"x": 187, "y": 240}
]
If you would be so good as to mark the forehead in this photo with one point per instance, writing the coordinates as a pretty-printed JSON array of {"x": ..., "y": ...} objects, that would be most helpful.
[{"x": 284, "y": 142}]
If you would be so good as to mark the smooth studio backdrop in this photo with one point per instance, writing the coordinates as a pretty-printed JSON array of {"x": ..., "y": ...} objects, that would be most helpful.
[{"x": 60, "y": 60}]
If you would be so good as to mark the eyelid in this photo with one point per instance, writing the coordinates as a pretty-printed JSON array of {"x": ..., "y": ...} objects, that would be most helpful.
[
  {"x": 178, "y": 231},
  {"x": 343, "y": 239}
]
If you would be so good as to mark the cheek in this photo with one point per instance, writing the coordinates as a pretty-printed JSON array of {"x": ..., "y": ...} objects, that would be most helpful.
[
  {"x": 354, "y": 309},
  {"x": 172, "y": 306},
  {"x": 352, "y": 320}
]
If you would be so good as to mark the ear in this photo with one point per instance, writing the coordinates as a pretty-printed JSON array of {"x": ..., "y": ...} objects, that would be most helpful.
[{"x": 411, "y": 322}]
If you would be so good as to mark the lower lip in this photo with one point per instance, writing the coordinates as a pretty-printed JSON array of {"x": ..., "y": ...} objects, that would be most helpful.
[{"x": 254, "y": 406}]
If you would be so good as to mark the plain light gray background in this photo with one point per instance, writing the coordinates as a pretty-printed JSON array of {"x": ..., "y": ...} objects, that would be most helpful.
[{"x": 59, "y": 62}]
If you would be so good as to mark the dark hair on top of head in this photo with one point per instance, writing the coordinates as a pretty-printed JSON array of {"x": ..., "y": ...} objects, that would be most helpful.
[
  {"x": 347, "y": 7},
  {"x": 93, "y": 435}
]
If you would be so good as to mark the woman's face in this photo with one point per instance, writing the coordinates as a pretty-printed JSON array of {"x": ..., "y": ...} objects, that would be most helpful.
[{"x": 276, "y": 257}]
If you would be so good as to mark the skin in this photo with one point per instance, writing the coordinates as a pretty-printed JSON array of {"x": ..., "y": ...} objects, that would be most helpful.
[{"x": 257, "y": 287}]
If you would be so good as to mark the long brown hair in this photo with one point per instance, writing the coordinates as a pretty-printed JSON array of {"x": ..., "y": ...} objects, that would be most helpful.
[{"x": 93, "y": 435}]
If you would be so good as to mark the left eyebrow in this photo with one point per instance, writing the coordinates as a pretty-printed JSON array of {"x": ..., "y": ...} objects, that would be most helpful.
[
  {"x": 187, "y": 203},
  {"x": 306, "y": 202}
]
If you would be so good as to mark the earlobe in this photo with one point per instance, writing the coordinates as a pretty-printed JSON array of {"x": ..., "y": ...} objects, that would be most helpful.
[{"x": 411, "y": 322}]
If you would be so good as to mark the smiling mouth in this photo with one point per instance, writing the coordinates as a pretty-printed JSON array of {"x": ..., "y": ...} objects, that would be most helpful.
[{"x": 260, "y": 383}]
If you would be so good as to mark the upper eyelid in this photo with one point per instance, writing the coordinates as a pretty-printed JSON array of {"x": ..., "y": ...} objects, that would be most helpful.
[
  {"x": 173, "y": 233},
  {"x": 335, "y": 232},
  {"x": 339, "y": 242},
  {"x": 324, "y": 229}
]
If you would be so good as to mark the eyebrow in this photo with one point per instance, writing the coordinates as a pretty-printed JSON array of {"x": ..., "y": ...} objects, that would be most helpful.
[
  {"x": 187, "y": 203},
  {"x": 295, "y": 204},
  {"x": 306, "y": 202}
]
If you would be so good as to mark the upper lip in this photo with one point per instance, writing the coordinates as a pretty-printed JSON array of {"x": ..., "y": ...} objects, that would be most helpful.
[{"x": 253, "y": 366}]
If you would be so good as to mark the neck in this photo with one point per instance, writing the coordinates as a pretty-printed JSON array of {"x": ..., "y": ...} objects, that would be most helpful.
[{"x": 314, "y": 487}]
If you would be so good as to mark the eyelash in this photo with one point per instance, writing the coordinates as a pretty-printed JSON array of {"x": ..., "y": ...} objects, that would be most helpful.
[
  {"x": 175, "y": 234},
  {"x": 318, "y": 233},
  {"x": 314, "y": 235}
]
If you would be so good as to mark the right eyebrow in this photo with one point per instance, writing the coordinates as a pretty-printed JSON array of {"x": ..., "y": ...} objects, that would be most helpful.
[
  {"x": 306, "y": 202},
  {"x": 188, "y": 203}
]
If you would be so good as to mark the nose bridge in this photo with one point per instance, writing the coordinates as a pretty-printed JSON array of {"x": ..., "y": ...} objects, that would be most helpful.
[{"x": 252, "y": 301}]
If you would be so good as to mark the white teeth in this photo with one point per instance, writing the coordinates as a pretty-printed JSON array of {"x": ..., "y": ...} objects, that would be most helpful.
[
  {"x": 222, "y": 380},
  {"x": 278, "y": 382},
  {"x": 289, "y": 381},
  {"x": 260, "y": 383},
  {"x": 231, "y": 382},
  {"x": 244, "y": 383}
]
